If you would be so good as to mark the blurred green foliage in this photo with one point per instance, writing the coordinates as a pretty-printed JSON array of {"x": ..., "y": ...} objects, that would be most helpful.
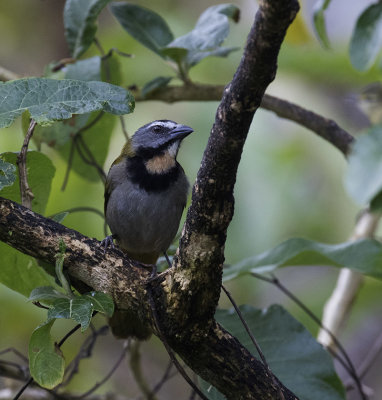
[{"x": 289, "y": 181}]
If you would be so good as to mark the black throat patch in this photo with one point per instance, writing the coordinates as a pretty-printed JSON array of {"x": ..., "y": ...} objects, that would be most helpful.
[{"x": 139, "y": 175}]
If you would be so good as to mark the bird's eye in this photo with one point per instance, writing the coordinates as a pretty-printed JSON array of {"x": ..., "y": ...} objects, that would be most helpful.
[{"x": 157, "y": 129}]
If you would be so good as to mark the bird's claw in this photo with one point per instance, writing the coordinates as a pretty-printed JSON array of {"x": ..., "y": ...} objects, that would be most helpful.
[{"x": 107, "y": 242}]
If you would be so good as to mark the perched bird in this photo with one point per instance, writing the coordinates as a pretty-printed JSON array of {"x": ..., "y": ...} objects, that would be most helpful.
[{"x": 145, "y": 194}]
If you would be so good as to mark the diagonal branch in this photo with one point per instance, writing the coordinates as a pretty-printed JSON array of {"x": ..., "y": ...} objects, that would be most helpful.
[
  {"x": 215, "y": 355},
  {"x": 186, "y": 295}
]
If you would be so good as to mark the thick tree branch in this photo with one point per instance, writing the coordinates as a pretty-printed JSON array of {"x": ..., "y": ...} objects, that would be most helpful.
[
  {"x": 186, "y": 295},
  {"x": 200, "y": 257},
  {"x": 214, "y": 354}
]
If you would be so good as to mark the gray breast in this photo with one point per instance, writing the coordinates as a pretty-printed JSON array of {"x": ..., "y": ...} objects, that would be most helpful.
[{"x": 144, "y": 221}]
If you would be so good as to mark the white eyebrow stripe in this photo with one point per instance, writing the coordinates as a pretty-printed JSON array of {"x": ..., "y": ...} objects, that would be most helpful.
[{"x": 166, "y": 124}]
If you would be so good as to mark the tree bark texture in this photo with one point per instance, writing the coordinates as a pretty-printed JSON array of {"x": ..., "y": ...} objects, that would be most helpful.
[{"x": 185, "y": 296}]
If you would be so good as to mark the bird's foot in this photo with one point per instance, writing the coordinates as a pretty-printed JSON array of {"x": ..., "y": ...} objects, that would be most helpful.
[{"x": 108, "y": 242}]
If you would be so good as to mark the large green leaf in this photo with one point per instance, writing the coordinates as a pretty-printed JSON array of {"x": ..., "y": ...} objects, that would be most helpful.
[
  {"x": 364, "y": 256},
  {"x": 97, "y": 140},
  {"x": 364, "y": 175},
  {"x": 50, "y": 100},
  {"x": 319, "y": 21},
  {"x": 79, "y": 309},
  {"x": 209, "y": 33},
  {"x": 85, "y": 70},
  {"x": 40, "y": 174},
  {"x": 18, "y": 271},
  {"x": 80, "y": 23},
  {"x": 366, "y": 39},
  {"x": 144, "y": 25},
  {"x": 292, "y": 353},
  {"x": 46, "y": 362},
  {"x": 102, "y": 302},
  {"x": 60, "y": 134},
  {"x": 46, "y": 294}
]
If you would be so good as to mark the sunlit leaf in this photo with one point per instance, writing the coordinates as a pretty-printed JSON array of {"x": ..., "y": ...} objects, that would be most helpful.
[
  {"x": 49, "y": 100},
  {"x": 46, "y": 362},
  {"x": 209, "y": 33},
  {"x": 366, "y": 40},
  {"x": 364, "y": 256},
  {"x": 80, "y": 23}
]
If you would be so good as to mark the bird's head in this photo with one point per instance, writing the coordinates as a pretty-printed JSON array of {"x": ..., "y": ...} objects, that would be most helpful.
[{"x": 159, "y": 137}]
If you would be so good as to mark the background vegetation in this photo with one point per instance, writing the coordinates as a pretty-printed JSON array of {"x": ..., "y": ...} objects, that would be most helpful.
[{"x": 290, "y": 182}]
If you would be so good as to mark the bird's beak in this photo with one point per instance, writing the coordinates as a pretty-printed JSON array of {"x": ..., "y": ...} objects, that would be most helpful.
[{"x": 180, "y": 132}]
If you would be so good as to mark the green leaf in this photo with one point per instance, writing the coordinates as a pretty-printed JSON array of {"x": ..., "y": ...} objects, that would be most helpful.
[
  {"x": 85, "y": 70},
  {"x": 210, "y": 391},
  {"x": 294, "y": 356},
  {"x": 195, "y": 57},
  {"x": 18, "y": 271},
  {"x": 364, "y": 256},
  {"x": 102, "y": 302},
  {"x": 144, "y": 25},
  {"x": 80, "y": 23},
  {"x": 50, "y": 100},
  {"x": 59, "y": 217},
  {"x": 366, "y": 40},
  {"x": 7, "y": 174},
  {"x": 46, "y": 362},
  {"x": 79, "y": 309},
  {"x": 156, "y": 83},
  {"x": 40, "y": 174},
  {"x": 97, "y": 140},
  {"x": 363, "y": 179},
  {"x": 209, "y": 33},
  {"x": 319, "y": 21},
  {"x": 46, "y": 294}
]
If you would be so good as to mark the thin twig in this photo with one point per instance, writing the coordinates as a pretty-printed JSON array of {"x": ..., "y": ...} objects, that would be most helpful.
[
  {"x": 135, "y": 365},
  {"x": 80, "y": 209},
  {"x": 7, "y": 75},
  {"x": 168, "y": 348},
  {"x": 74, "y": 145},
  {"x": 124, "y": 130},
  {"x": 91, "y": 159},
  {"x": 254, "y": 341},
  {"x": 348, "y": 365},
  {"x": 371, "y": 356},
  {"x": 85, "y": 351},
  {"x": 25, "y": 191},
  {"x": 119, "y": 52},
  {"x": 107, "y": 377},
  {"x": 70, "y": 163},
  {"x": 14, "y": 351},
  {"x": 338, "y": 306},
  {"x": 164, "y": 378}
]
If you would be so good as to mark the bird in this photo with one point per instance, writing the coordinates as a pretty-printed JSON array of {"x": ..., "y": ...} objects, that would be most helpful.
[{"x": 145, "y": 194}]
